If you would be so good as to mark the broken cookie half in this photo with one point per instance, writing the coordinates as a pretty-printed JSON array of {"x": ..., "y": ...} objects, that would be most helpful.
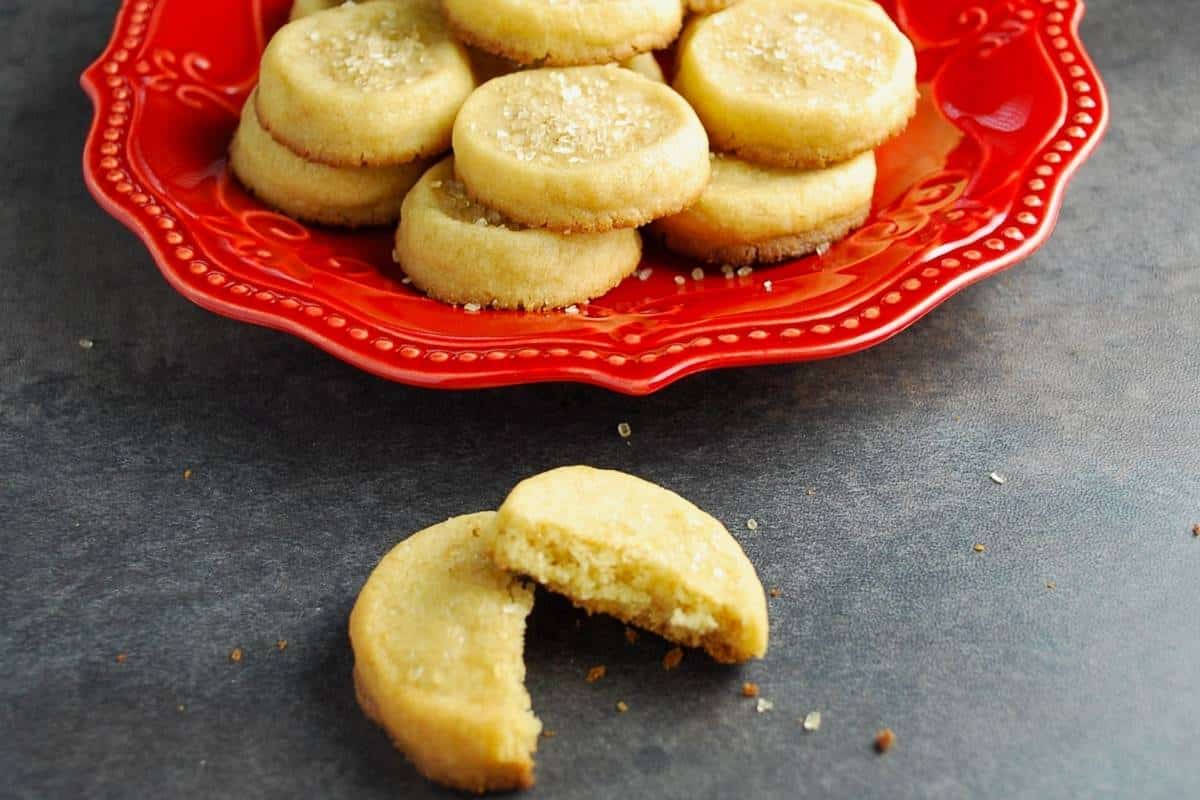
[
  {"x": 438, "y": 636},
  {"x": 619, "y": 545}
]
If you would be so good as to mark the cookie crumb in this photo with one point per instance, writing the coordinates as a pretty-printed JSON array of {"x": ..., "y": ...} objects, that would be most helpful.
[
  {"x": 572, "y": 310},
  {"x": 749, "y": 689},
  {"x": 122, "y": 658},
  {"x": 680, "y": 280},
  {"x": 1196, "y": 530},
  {"x": 763, "y": 705},
  {"x": 644, "y": 274},
  {"x": 672, "y": 658},
  {"x": 697, "y": 274},
  {"x": 187, "y": 474},
  {"x": 86, "y": 344},
  {"x": 180, "y": 708},
  {"x": 776, "y": 591},
  {"x": 281, "y": 645},
  {"x": 885, "y": 740},
  {"x": 549, "y": 733},
  {"x": 998, "y": 479},
  {"x": 622, "y": 706},
  {"x": 980, "y": 548},
  {"x": 596, "y": 673},
  {"x": 752, "y": 524},
  {"x": 1051, "y": 585},
  {"x": 811, "y": 491},
  {"x": 812, "y": 722},
  {"x": 727, "y": 271},
  {"x": 624, "y": 430},
  {"x": 631, "y": 636},
  {"x": 235, "y": 655},
  {"x": 473, "y": 308},
  {"x": 768, "y": 286}
]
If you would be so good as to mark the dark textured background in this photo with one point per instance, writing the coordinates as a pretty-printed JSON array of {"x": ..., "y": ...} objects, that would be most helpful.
[{"x": 1075, "y": 375}]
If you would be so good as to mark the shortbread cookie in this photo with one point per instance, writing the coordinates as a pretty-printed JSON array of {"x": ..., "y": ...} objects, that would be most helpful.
[
  {"x": 373, "y": 84},
  {"x": 565, "y": 32},
  {"x": 615, "y": 544},
  {"x": 581, "y": 148},
  {"x": 438, "y": 633},
  {"x": 754, "y": 214},
  {"x": 346, "y": 196},
  {"x": 798, "y": 83},
  {"x": 461, "y": 252}
]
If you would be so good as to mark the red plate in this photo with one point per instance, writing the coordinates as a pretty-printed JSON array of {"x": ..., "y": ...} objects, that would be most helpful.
[{"x": 1011, "y": 107}]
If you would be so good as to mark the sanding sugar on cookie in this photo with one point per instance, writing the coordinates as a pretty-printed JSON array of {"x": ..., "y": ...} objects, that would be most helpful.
[
  {"x": 581, "y": 149},
  {"x": 438, "y": 637},
  {"x": 372, "y": 84},
  {"x": 798, "y": 83}
]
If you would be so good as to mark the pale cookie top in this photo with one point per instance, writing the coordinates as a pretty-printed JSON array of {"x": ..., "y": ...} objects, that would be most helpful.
[
  {"x": 574, "y": 116},
  {"x": 812, "y": 52},
  {"x": 378, "y": 52}
]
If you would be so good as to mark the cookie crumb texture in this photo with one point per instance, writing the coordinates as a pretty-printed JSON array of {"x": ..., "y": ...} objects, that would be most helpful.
[
  {"x": 438, "y": 637},
  {"x": 619, "y": 545},
  {"x": 885, "y": 740}
]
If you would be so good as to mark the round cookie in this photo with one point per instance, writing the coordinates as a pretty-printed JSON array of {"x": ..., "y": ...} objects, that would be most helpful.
[
  {"x": 461, "y": 252},
  {"x": 566, "y": 32},
  {"x": 438, "y": 635},
  {"x": 753, "y": 214},
  {"x": 347, "y": 196},
  {"x": 581, "y": 148},
  {"x": 373, "y": 84},
  {"x": 798, "y": 83},
  {"x": 618, "y": 545}
]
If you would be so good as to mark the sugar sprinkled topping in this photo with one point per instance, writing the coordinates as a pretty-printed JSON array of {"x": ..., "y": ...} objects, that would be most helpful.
[
  {"x": 452, "y": 197},
  {"x": 787, "y": 53},
  {"x": 576, "y": 116},
  {"x": 381, "y": 54}
]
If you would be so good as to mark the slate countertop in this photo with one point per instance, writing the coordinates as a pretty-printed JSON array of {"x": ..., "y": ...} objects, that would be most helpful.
[{"x": 1075, "y": 375}]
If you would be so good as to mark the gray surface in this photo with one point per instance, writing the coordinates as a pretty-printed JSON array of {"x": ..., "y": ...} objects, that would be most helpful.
[{"x": 1074, "y": 374}]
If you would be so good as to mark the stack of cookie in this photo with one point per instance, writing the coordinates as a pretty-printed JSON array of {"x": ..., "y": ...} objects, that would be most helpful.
[
  {"x": 561, "y": 156},
  {"x": 795, "y": 95}
]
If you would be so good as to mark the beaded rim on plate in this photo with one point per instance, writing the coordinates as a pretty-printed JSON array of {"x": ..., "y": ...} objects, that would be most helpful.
[{"x": 634, "y": 361}]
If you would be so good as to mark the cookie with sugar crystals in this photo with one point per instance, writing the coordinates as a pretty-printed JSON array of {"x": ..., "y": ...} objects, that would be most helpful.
[
  {"x": 798, "y": 83},
  {"x": 438, "y": 637},
  {"x": 372, "y": 84},
  {"x": 345, "y": 196},
  {"x": 461, "y": 252},
  {"x": 581, "y": 149},
  {"x": 754, "y": 214},
  {"x": 619, "y": 545},
  {"x": 565, "y": 32}
]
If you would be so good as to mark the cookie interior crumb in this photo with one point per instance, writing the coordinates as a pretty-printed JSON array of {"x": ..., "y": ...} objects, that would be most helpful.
[{"x": 750, "y": 689}]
